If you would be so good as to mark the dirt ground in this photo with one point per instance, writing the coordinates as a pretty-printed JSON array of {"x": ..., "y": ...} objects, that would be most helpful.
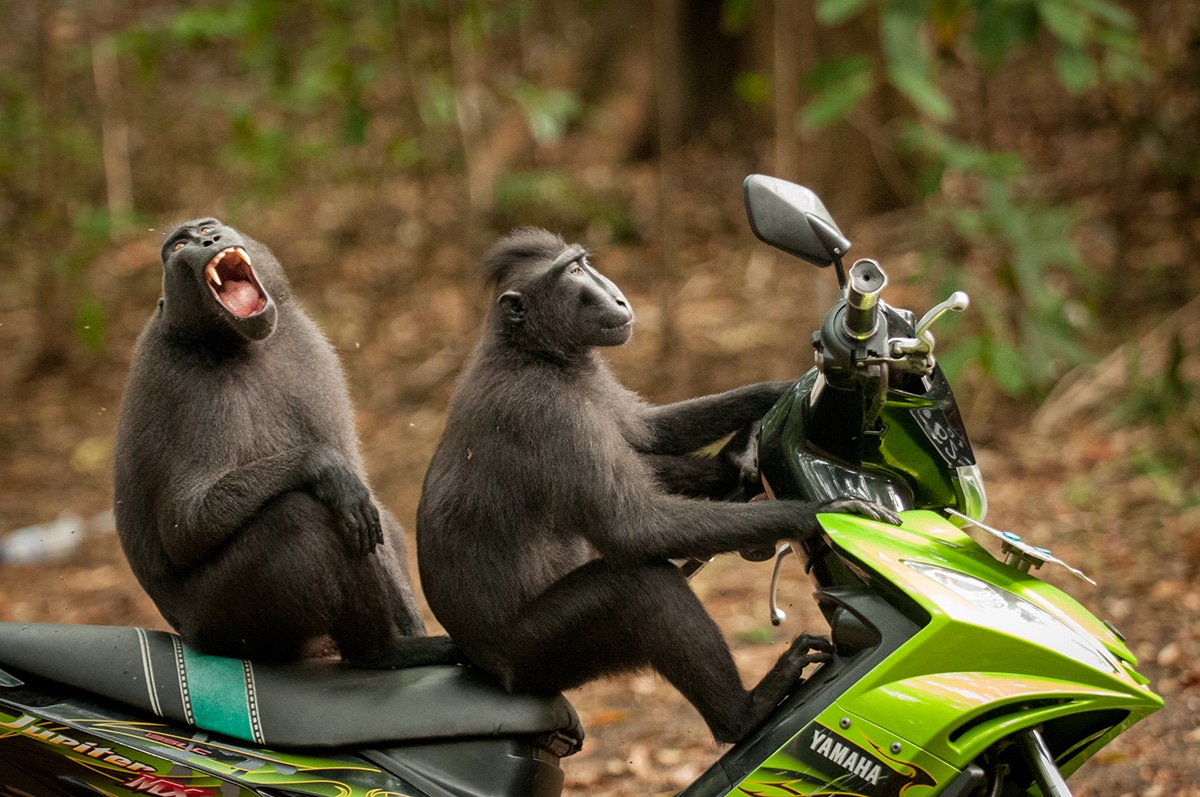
[
  {"x": 1111, "y": 498},
  {"x": 643, "y": 738}
]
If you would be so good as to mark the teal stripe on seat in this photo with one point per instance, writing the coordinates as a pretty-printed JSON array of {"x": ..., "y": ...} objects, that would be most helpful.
[{"x": 217, "y": 689}]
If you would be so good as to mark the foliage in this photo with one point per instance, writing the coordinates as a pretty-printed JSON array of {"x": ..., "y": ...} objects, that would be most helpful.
[
  {"x": 561, "y": 201},
  {"x": 1025, "y": 264},
  {"x": 259, "y": 97},
  {"x": 980, "y": 197},
  {"x": 272, "y": 96},
  {"x": 1163, "y": 398}
]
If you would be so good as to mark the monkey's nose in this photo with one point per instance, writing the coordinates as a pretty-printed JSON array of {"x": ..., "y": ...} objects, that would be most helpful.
[{"x": 211, "y": 239}]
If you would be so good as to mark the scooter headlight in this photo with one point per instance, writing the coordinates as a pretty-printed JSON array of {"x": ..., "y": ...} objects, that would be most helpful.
[
  {"x": 1005, "y": 611},
  {"x": 974, "y": 497}
]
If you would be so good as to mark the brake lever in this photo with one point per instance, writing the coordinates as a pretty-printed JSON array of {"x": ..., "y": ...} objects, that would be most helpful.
[
  {"x": 777, "y": 614},
  {"x": 923, "y": 342}
]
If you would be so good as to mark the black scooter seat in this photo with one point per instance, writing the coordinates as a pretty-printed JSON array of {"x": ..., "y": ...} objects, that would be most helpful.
[{"x": 313, "y": 703}]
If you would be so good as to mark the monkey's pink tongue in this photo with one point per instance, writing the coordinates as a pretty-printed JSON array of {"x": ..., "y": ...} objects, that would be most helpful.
[{"x": 241, "y": 297}]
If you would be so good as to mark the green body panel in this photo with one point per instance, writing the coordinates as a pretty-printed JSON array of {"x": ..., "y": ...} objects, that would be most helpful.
[
  {"x": 829, "y": 761},
  {"x": 973, "y": 675},
  {"x": 132, "y": 757},
  {"x": 928, "y": 537},
  {"x": 904, "y": 450},
  {"x": 900, "y": 465},
  {"x": 968, "y": 661}
]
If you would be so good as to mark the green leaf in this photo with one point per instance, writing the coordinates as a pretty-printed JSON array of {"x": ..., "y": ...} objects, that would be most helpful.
[
  {"x": 1122, "y": 57},
  {"x": 1065, "y": 21},
  {"x": 836, "y": 101},
  {"x": 355, "y": 118},
  {"x": 1007, "y": 367},
  {"x": 753, "y": 87},
  {"x": 437, "y": 101},
  {"x": 547, "y": 111},
  {"x": 835, "y": 12},
  {"x": 1110, "y": 13},
  {"x": 90, "y": 323},
  {"x": 910, "y": 68},
  {"x": 955, "y": 357},
  {"x": 202, "y": 24},
  {"x": 830, "y": 73},
  {"x": 1000, "y": 27},
  {"x": 922, "y": 93},
  {"x": 736, "y": 15},
  {"x": 1075, "y": 68},
  {"x": 405, "y": 152},
  {"x": 900, "y": 28}
]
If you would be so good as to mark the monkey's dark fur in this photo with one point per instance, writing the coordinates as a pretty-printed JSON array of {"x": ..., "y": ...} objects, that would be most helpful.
[
  {"x": 241, "y": 499},
  {"x": 551, "y": 506}
]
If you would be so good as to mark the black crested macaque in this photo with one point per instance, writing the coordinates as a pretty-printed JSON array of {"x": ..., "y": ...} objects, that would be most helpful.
[
  {"x": 241, "y": 499},
  {"x": 551, "y": 507}
]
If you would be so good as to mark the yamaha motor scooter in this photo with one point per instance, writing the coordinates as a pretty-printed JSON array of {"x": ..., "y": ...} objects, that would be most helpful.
[{"x": 957, "y": 672}]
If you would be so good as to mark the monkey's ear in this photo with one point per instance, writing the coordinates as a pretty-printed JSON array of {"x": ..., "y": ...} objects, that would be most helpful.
[{"x": 513, "y": 306}]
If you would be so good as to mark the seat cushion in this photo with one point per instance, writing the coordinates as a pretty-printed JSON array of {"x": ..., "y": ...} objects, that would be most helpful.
[{"x": 314, "y": 703}]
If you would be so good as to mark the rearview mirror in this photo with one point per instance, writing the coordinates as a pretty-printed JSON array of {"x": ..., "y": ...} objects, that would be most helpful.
[{"x": 790, "y": 217}]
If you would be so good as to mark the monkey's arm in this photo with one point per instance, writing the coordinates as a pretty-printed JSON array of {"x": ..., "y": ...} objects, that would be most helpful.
[
  {"x": 209, "y": 509},
  {"x": 674, "y": 527},
  {"x": 686, "y": 426}
]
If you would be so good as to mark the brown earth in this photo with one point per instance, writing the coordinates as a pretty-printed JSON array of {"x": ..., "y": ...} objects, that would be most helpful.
[{"x": 1113, "y": 499}]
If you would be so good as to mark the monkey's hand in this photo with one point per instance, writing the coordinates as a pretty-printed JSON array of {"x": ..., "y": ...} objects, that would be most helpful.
[
  {"x": 348, "y": 499},
  {"x": 859, "y": 506},
  {"x": 820, "y": 649}
]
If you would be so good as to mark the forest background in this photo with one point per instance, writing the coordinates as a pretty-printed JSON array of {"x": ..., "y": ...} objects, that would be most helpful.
[{"x": 1040, "y": 154}]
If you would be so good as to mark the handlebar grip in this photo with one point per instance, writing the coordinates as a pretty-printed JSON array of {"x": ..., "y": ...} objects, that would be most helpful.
[{"x": 865, "y": 281}]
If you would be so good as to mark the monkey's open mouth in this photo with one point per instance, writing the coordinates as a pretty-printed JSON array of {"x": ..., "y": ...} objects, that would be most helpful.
[{"x": 231, "y": 279}]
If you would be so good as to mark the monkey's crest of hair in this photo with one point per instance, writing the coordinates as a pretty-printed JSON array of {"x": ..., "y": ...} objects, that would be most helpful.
[{"x": 522, "y": 249}]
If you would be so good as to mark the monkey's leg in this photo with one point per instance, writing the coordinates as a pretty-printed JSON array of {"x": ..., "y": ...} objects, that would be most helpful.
[
  {"x": 603, "y": 619},
  {"x": 393, "y": 559},
  {"x": 287, "y": 579},
  {"x": 694, "y": 476},
  {"x": 381, "y": 627},
  {"x": 212, "y": 508},
  {"x": 270, "y": 588}
]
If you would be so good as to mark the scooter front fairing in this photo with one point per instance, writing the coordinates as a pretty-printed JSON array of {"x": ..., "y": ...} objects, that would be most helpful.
[{"x": 997, "y": 651}]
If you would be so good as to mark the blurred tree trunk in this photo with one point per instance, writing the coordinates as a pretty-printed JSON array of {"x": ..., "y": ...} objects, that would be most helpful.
[
  {"x": 709, "y": 59},
  {"x": 51, "y": 301},
  {"x": 669, "y": 104},
  {"x": 849, "y": 163},
  {"x": 464, "y": 62},
  {"x": 786, "y": 83},
  {"x": 114, "y": 126}
]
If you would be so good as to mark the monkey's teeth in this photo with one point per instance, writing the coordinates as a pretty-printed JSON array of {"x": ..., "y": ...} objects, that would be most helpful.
[{"x": 212, "y": 275}]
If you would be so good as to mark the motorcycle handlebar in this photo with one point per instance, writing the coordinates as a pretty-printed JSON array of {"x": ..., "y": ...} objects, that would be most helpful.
[{"x": 865, "y": 281}]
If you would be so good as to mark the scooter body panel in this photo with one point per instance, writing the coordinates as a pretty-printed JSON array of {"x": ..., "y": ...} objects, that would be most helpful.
[
  {"x": 74, "y": 748},
  {"x": 68, "y": 745},
  {"x": 998, "y": 652},
  {"x": 846, "y": 755}
]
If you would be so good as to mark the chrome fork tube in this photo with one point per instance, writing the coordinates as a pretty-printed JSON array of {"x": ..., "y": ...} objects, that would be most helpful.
[{"x": 1041, "y": 763}]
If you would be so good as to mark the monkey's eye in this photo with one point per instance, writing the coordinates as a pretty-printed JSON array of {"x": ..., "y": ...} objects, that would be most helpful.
[
  {"x": 206, "y": 229},
  {"x": 178, "y": 245},
  {"x": 576, "y": 270}
]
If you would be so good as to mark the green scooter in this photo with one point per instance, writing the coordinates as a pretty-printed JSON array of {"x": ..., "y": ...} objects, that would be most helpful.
[{"x": 956, "y": 673}]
